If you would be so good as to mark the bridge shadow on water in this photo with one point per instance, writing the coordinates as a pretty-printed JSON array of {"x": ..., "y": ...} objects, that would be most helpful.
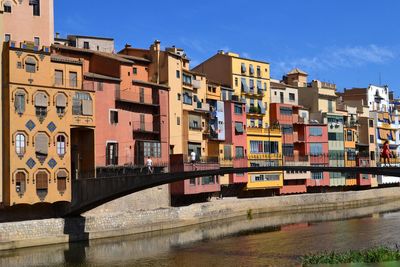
[{"x": 78, "y": 239}]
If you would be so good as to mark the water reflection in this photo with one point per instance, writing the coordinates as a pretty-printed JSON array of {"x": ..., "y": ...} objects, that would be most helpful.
[{"x": 275, "y": 239}]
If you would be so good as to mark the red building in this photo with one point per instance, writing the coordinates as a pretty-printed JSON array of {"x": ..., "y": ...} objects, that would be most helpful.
[
  {"x": 235, "y": 132},
  {"x": 132, "y": 112}
]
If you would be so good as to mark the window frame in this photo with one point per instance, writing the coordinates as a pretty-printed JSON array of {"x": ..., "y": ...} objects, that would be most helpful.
[
  {"x": 20, "y": 144},
  {"x": 61, "y": 145}
]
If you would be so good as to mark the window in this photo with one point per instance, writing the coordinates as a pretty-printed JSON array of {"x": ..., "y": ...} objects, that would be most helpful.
[
  {"x": 330, "y": 106},
  {"x": 315, "y": 131},
  {"x": 286, "y": 111},
  {"x": 239, "y": 128},
  {"x": 349, "y": 135},
  {"x": 41, "y": 146},
  {"x": 61, "y": 104},
  {"x": 287, "y": 150},
  {"x": 141, "y": 95},
  {"x": 194, "y": 122},
  {"x": 178, "y": 120},
  {"x": 372, "y": 155},
  {"x": 227, "y": 153},
  {"x": 187, "y": 98},
  {"x": 287, "y": 129},
  {"x": 86, "y": 45},
  {"x": 41, "y": 106},
  {"x": 260, "y": 123},
  {"x": 73, "y": 79},
  {"x": 187, "y": 79},
  {"x": 30, "y": 65},
  {"x": 371, "y": 138},
  {"x": 243, "y": 68},
  {"x": 152, "y": 149},
  {"x": 258, "y": 71},
  {"x": 251, "y": 84},
  {"x": 100, "y": 86},
  {"x": 112, "y": 154},
  {"x": 134, "y": 71},
  {"x": 238, "y": 109},
  {"x": 239, "y": 152},
  {"x": 335, "y": 136},
  {"x": 178, "y": 74},
  {"x": 20, "y": 144},
  {"x": 7, "y": 37},
  {"x": 19, "y": 102},
  {"x": 82, "y": 104},
  {"x": 236, "y": 81},
  {"x": 61, "y": 145},
  {"x": 371, "y": 123},
  {"x": 207, "y": 180},
  {"x": 41, "y": 184},
  {"x": 7, "y": 8},
  {"x": 62, "y": 176},
  {"x": 37, "y": 41},
  {"x": 292, "y": 97},
  {"x": 251, "y": 69},
  {"x": 58, "y": 77},
  {"x": 20, "y": 183},
  {"x": 317, "y": 175},
  {"x": 266, "y": 147},
  {"x": 36, "y": 7},
  {"x": 192, "y": 181},
  {"x": 113, "y": 116},
  {"x": 316, "y": 149},
  {"x": 178, "y": 96}
]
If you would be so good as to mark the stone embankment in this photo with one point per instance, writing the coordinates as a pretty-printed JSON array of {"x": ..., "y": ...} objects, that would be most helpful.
[{"x": 103, "y": 225}]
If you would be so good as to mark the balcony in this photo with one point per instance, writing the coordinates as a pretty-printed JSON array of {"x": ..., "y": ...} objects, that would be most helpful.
[
  {"x": 136, "y": 97},
  {"x": 263, "y": 131},
  {"x": 145, "y": 127},
  {"x": 203, "y": 107},
  {"x": 296, "y": 160}
]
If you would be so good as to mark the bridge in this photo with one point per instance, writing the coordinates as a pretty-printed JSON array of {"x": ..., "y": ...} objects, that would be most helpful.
[{"x": 90, "y": 193}]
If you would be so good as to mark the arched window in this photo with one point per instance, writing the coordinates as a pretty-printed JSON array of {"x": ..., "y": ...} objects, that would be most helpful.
[
  {"x": 19, "y": 102},
  {"x": 61, "y": 104},
  {"x": 20, "y": 182},
  {"x": 61, "y": 145},
  {"x": 20, "y": 144},
  {"x": 62, "y": 181},
  {"x": 41, "y": 146},
  {"x": 30, "y": 65},
  {"x": 41, "y": 184},
  {"x": 41, "y": 106}
]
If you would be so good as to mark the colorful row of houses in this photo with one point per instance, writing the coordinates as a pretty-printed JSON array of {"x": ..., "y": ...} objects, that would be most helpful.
[{"x": 72, "y": 109}]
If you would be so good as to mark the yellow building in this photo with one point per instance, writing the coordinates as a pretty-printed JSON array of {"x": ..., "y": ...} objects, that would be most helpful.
[
  {"x": 250, "y": 80},
  {"x": 49, "y": 125}
]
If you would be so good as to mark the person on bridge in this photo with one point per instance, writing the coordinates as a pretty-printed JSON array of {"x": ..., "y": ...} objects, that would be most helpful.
[
  {"x": 193, "y": 160},
  {"x": 386, "y": 153},
  {"x": 149, "y": 164}
]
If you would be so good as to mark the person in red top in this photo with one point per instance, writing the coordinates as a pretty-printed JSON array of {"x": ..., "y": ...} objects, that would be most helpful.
[{"x": 386, "y": 153}]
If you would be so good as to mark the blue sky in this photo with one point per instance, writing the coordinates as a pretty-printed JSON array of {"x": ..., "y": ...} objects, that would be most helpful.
[{"x": 349, "y": 42}]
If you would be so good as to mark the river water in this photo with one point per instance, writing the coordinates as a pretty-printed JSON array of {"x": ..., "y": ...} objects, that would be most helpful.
[{"x": 269, "y": 240}]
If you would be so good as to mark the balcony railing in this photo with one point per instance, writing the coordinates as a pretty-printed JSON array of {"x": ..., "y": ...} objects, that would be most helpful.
[
  {"x": 145, "y": 127},
  {"x": 137, "y": 97},
  {"x": 267, "y": 131}
]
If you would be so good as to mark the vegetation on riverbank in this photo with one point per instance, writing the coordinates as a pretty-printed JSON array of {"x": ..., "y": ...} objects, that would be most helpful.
[{"x": 374, "y": 255}]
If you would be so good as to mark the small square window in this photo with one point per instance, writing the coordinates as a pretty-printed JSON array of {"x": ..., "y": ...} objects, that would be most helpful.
[
  {"x": 7, "y": 8},
  {"x": 113, "y": 116},
  {"x": 134, "y": 71},
  {"x": 178, "y": 74},
  {"x": 37, "y": 41},
  {"x": 86, "y": 45},
  {"x": 7, "y": 37},
  {"x": 179, "y": 97}
]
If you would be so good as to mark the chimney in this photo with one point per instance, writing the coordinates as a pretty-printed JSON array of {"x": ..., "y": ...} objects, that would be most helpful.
[
  {"x": 57, "y": 35},
  {"x": 157, "y": 45},
  {"x": 128, "y": 45}
]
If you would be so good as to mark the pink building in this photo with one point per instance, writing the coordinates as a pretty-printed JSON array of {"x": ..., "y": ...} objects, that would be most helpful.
[
  {"x": 132, "y": 112},
  {"x": 313, "y": 142},
  {"x": 235, "y": 135}
]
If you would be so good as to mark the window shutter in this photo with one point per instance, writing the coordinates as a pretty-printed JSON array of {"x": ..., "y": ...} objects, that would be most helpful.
[
  {"x": 87, "y": 107},
  {"x": 41, "y": 144},
  {"x": 41, "y": 180},
  {"x": 41, "y": 100},
  {"x": 62, "y": 174},
  {"x": 61, "y": 101},
  {"x": 19, "y": 103}
]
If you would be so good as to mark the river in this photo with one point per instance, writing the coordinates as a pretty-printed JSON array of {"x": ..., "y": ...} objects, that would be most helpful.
[{"x": 267, "y": 240}]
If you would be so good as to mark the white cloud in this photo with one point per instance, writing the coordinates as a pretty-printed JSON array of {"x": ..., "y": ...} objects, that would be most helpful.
[{"x": 340, "y": 57}]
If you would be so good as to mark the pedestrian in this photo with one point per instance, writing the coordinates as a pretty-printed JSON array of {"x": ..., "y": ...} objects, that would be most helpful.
[
  {"x": 386, "y": 153},
  {"x": 149, "y": 164},
  {"x": 193, "y": 160}
]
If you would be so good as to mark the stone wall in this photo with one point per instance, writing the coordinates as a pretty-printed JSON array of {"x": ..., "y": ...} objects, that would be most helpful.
[{"x": 101, "y": 225}]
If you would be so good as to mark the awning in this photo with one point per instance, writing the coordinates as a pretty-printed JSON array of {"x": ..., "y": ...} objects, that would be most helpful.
[{"x": 239, "y": 127}]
